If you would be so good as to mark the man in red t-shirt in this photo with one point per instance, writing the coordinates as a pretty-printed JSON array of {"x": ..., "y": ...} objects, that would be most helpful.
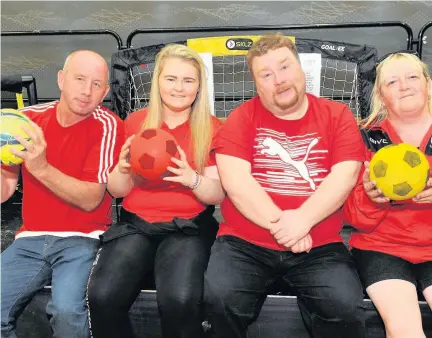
[
  {"x": 75, "y": 143},
  {"x": 288, "y": 160}
]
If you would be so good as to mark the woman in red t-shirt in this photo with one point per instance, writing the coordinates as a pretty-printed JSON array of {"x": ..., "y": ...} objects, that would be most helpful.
[
  {"x": 393, "y": 245},
  {"x": 167, "y": 225}
]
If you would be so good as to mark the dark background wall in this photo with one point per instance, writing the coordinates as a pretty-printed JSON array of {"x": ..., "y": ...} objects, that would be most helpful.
[{"x": 43, "y": 56}]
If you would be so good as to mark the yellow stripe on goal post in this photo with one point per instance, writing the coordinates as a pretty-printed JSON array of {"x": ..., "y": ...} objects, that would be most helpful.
[
  {"x": 20, "y": 100},
  {"x": 225, "y": 45}
]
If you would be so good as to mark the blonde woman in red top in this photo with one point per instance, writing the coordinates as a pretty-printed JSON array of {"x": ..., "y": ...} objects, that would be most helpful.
[
  {"x": 166, "y": 225},
  {"x": 393, "y": 244}
]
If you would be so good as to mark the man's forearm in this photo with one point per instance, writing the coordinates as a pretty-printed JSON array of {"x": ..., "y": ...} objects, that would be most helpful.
[
  {"x": 84, "y": 195},
  {"x": 253, "y": 202},
  {"x": 331, "y": 194}
]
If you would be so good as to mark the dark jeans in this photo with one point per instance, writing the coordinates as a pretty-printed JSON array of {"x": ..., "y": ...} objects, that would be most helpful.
[
  {"x": 325, "y": 280},
  {"x": 178, "y": 258}
]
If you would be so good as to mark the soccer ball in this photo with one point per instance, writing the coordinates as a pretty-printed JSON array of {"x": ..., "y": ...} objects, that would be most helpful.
[
  {"x": 11, "y": 121},
  {"x": 151, "y": 152},
  {"x": 400, "y": 171}
]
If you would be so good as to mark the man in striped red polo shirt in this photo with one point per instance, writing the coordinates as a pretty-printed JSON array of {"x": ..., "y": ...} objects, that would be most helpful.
[{"x": 65, "y": 206}]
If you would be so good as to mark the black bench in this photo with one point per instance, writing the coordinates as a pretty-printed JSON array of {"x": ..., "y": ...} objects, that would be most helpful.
[{"x": 279, "y": 318}]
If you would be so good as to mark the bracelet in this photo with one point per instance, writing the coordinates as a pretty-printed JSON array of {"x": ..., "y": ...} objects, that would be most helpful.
[{"x": 197, "y": 182}]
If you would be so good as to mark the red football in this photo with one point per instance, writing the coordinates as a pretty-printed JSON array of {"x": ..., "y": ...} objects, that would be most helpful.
[{"x": 151, "y": 153}]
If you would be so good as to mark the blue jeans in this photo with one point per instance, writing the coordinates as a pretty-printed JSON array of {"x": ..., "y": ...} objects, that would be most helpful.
[
  {"x": 31, "y": 263},
  {"x": 240, "y": 275}
]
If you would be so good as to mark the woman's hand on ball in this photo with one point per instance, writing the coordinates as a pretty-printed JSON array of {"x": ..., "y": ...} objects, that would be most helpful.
[
  {"x": 184, "y": 173},
  {"x": 426, "y": 195},
  {"x": 370, "y": 188},
  {"x": 123, "y": 165},
  {"x": 35, "y": 154}
]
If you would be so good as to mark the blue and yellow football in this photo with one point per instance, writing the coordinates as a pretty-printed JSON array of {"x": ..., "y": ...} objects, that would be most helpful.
[{"x": 11, "y": 122}]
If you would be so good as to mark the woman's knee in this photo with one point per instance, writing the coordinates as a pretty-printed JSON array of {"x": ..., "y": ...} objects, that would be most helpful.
[
  {"x": 427, "y": 293},
  {"x": 100, "y": 296},
  {"x": 396, "y": 328},
  {"x": 180, "y": 301},
  {"x": 397, "y": 304}
]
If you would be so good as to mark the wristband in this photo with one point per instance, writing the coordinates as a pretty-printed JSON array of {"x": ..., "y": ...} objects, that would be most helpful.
[{"x": 197, "y": 182}]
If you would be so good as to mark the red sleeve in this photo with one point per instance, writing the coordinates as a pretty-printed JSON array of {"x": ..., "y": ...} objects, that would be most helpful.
[
  {"x": 216, "y": 125},
  {"x": 235, "y": 138},
  {"x": 347, "y": 142},
  {"x": 105, "y": 151},
  {"x": 359, "y": 211}
]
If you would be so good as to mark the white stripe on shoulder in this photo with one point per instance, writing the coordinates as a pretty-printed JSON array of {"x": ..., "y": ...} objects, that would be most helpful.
[
  {"x": 106, "y": 128},
  {"x": 39, "y": 108},
  {"x": 109, "y": 154},
  {"x": 106, "y": 155}
]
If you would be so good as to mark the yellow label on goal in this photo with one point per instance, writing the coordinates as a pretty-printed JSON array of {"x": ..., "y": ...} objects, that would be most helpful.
[{"x": 225, "y": 45}]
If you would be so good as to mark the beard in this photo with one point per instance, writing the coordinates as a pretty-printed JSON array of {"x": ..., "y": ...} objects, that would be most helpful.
[{"x": 286, "y": 102}]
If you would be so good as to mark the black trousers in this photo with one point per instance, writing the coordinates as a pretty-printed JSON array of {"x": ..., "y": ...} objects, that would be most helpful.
[
  {"x": 325, "y": 280},
  {"x": 177, "y": 252}
]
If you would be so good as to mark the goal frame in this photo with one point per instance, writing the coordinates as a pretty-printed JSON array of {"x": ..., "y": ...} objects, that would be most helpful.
[{"x": 364, "y": 56}]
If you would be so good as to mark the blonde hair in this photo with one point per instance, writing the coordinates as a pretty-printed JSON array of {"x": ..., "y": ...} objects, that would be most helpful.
[
  {"x": 378, "y": 112},
  {"x": 200, "y": 117},
  {"x": 267, "y": 43}
]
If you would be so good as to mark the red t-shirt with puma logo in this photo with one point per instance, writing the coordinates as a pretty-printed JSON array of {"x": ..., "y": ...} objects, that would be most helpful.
[{"x": 289, "y": 159}]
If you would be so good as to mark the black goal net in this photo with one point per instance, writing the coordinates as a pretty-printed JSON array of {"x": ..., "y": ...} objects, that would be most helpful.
[{"x": 338, "y": 71}]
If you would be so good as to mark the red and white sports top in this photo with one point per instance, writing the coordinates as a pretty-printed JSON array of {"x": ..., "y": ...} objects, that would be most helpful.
[{"x": 87, "y": 151}]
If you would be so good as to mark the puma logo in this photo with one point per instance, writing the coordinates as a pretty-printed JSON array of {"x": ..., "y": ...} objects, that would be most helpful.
[{"x": 275, "y": 148}]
